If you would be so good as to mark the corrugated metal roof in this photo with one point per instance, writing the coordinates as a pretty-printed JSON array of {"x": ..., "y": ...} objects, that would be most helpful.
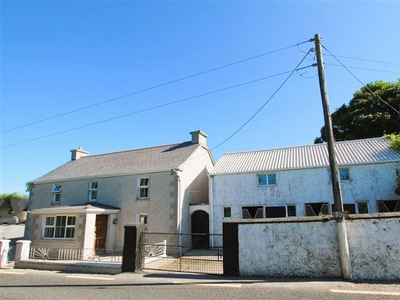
[
  {"x": 347, "y": 153},
  {"x": 125, "y": 162}
]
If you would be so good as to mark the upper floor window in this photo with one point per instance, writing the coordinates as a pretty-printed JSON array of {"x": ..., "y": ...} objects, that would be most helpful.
[
  {"x": 56, "y": 194},
  {"x": 344, "y": 174},
  {"x": 93, "y": 190},
  {"x": 266, "y": 179},
  {"x": 143, "y": 188},
  {"x": 59, "y": 227}
]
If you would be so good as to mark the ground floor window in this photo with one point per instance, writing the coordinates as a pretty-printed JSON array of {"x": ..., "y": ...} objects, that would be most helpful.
[
  {"x": 317, "y": 209},
  {"x": 257, "y": 212},
  {"x": 388, "y": 206},
  {"x": 362, "y": 207},
  {"x": 227, "y": 212},
  {"x": 252, "y": 212},
  {"x": 280, "y": 211},
  {"x": 355, "y": 208},
  {"x": 141, "y": 218},
  {"x": 59, "y": 227}
]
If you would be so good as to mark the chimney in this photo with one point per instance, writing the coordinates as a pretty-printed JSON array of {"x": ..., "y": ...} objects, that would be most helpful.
[
  {"x": 199, "y": 137},
  {"x": 78, "y": 153}
]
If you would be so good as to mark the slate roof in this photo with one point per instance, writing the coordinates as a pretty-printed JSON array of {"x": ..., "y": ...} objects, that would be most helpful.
[
  {"x": 137, "y": 161},
  {"x": 366, "y": 151}
]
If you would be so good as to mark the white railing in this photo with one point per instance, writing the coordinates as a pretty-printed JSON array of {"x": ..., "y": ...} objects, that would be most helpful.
[
  {"x": 156, "y": 250},
  {"x": 103, "y": 255}
]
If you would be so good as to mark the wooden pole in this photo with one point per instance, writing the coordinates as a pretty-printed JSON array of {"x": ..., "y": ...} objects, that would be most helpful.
[{"x": 338, "y": 213}]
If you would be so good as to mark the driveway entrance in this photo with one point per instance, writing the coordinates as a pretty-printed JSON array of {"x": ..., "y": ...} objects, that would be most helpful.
[{"x": 177, "y": 252}]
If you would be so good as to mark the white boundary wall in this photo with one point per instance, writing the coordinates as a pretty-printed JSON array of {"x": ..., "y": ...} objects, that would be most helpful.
[{"x": 308, "y": 247}]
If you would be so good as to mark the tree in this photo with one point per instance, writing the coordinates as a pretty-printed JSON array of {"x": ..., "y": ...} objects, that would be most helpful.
[
  {"x": 5, "y": 201},
  {"x": 395, "y": 144},
  {"x": 366, "y": 116}
]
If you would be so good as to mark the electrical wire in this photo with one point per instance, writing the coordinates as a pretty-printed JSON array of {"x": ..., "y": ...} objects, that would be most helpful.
[
  {"x": 367, "y": 69},
  {"x": 152, "y": 87},
  {"x": 150, "y": 108},
  {"x": 369, "y": 90},
  {"x": 369, "y": 60},
  {"x": 266, "y": 102}
]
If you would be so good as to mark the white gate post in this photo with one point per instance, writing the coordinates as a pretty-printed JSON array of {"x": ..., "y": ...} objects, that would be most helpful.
[
  {"x": 22, "y": 251},
  {"x": 4, "y": 248}
]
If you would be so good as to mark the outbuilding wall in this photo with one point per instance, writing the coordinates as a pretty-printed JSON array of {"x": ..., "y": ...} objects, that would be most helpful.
[{"x": 368, "y": 183}]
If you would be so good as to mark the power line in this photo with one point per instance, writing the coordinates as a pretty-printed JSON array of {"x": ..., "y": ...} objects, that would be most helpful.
[
  {"x": 149, "y": 109},
  {"x": 367, "y": 69},
  {"x": 266, "y": 102},
  {"x": 377, "y": 96},
  {"x": 369, "y": 60},
  {"x": 152, "y": 87}
]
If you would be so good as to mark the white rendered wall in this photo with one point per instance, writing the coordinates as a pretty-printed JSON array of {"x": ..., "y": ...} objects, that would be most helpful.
[
  {"x": 297, "y": 187},
  {"x": 303, "y": 249},
  {"x": 375, "y": 248},
  {"x": 310, "y": 249}
]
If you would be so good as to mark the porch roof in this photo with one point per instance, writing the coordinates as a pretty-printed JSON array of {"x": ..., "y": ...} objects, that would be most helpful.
[{"x": 95, "y": 208}]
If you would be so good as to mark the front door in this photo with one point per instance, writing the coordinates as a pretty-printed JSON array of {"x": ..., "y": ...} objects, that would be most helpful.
[
  {"x": 200, "y": 230},
  {"x": 100, "y": 232}
]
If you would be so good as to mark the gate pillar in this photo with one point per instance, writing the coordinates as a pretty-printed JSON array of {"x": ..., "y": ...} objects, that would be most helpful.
[
  {"x": 131, "y": 255},
  {"x": 4, "y": 248},
  {"x": 230, "y": 249}
]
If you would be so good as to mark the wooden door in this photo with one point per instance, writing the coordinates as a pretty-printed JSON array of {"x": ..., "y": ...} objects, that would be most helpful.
[{"x": 100, "y": 232}]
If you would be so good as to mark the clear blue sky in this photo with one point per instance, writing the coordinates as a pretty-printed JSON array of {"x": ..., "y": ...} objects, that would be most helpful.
[{"x": 59, "y": 56}]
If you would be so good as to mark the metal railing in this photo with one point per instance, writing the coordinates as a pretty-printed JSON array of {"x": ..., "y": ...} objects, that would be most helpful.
[
  {"x": 198, "y": 253},
  {"x": 76, "y": 254}
]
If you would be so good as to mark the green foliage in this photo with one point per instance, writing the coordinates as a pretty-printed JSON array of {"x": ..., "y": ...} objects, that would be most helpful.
[
  {"x": 395, "y": 144},
  {"x": 366, "y": 116},
  {"x": 394, "y": 141},
  {"x": 397, "y": 190},
  {"x": 6, "y": 205},
  {"x": 28, "y": 187}
]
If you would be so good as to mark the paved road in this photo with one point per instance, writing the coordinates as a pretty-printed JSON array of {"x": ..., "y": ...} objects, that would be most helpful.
[
  {"x": 12, "y": 232},
  {"x": 31, "y": 284}
]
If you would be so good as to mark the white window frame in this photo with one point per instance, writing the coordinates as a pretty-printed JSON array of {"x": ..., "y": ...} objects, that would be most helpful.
[
  {"x": 141, "y": 218},
  {"x": 340, "y": 170},
  {"x": 93, "y": 186},
  {"x": 56, "y": 191},
  {"x": 143, "y": 187},
  {"x": 268, "y": 181},
  {"x": 62, "y": 232}
]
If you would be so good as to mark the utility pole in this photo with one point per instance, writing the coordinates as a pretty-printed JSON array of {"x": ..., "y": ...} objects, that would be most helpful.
[{"x": 338, "y": 212}]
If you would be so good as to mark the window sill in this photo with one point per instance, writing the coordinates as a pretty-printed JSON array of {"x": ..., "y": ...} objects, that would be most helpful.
[{"x": 141, "y": 199}]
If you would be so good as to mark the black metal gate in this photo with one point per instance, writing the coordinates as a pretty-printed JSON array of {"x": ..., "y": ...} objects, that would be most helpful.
[{"x": 192, "y": 253}]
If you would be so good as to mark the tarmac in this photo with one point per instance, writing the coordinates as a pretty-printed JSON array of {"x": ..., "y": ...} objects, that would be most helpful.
[{"x": 13, "y": 232}]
